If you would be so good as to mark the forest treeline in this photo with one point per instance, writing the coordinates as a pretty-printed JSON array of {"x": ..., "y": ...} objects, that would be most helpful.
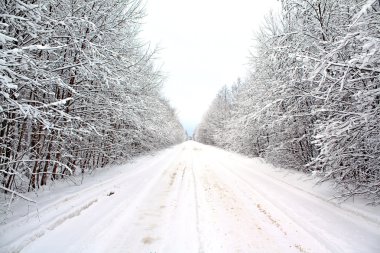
[
  {"x": 79, "y": 90},
  {"x": 312, "y": 98}
]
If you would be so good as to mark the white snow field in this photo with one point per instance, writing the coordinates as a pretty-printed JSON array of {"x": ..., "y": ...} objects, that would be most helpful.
[{"x": 191, "y": 198}]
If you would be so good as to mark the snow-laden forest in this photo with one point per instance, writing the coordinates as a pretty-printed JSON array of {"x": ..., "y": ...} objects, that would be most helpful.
[
  {"x": 88, "y": 161},
  {"x": 79, "y": 90},
  {"x": 312, "y": 98}
]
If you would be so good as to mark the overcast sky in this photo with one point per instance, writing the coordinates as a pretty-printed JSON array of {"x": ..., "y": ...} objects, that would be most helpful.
[{"x": 204, "y": 45}]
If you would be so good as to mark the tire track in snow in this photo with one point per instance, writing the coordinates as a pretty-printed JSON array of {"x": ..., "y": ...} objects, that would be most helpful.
[
  {"x": 193, "y": 199},
  {"x": 259, "y": 184},
  {"x": 61, "y": 207},
  {"x": 248, "y": 167},
  {"x": 30, "y": 238},
  {"x": 231, "y": 187},
  {"x": 200, "y": 246},
  {"x": 233, "y": 226}
]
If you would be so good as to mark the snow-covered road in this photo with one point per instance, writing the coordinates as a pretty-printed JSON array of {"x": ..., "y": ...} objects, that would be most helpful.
[{"x": 191, "y": 198}]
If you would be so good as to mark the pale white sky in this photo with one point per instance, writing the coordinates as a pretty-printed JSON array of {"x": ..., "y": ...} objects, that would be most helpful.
[{"x": 204, "y": 45}]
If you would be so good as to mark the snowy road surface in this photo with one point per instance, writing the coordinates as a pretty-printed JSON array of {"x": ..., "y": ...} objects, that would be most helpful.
[{"x": 190, "y": 198}]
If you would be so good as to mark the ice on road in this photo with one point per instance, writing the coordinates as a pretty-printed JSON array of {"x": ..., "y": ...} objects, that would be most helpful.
[{"x": 191, "y": 198}]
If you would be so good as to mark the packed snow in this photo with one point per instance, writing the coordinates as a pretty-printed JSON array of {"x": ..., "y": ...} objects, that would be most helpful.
[{"x": 191, "y": 198}]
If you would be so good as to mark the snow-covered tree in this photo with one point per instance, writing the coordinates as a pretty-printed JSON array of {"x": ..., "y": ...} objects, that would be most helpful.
[
  {"x": 311, "y": 101},
  {"x": 213, "y": 126},
  {"x": 79, "y": 90},
  {"x": 348, "y": 131}
]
